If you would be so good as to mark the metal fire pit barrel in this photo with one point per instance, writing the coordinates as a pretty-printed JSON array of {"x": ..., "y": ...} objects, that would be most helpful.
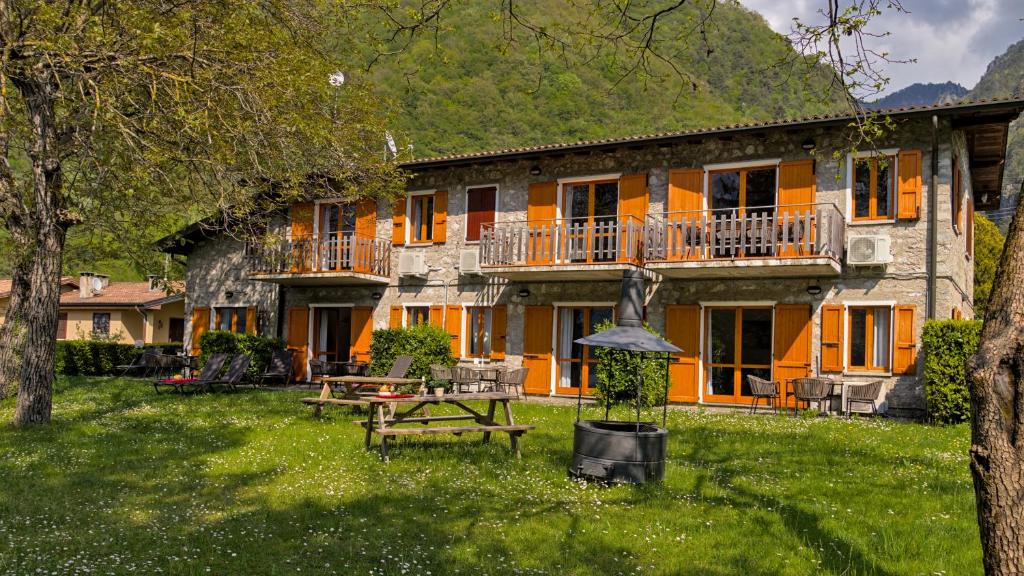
[{"x": 618, "y": 452}]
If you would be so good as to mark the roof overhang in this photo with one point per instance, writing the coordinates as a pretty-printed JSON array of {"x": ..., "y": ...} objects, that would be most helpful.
[{"x": 986, "y": 135}]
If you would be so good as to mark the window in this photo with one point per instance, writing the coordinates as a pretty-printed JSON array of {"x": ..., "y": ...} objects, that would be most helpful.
[
  {"x": 751, "y": 190},
  {"x": 592, "y": 208},
  {"x": 62, "y": 326},
  {"x": 576, "y": 365},
  {"x": 739, "y": 342},
  {"x": 176, "y": 330},
  {"x": 422, "y": 218},
  {"x": 101, "y": 323},
  {"x": 870, "y": 335},
  {"x": 874, "y": 182},
  {"x": 480, "y": 206},
  {"x": 416, "y": 315},
  {"x": 230, "y": 319},
  {"x": 478, "y": 333},
  {"x": 958, "y": 196}
]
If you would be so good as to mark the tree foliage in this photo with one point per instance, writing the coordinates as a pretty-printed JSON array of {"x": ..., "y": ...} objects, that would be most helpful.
[
  {"x": 620, "y": 372},
  {"x": 988, "y": 246}
]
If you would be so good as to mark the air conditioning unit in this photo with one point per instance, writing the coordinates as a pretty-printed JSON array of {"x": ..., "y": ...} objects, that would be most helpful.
[
  {"x": 868, "y": 251},
  {"x": 412, "y": 264},
  {"x": 469, "y": 261}
]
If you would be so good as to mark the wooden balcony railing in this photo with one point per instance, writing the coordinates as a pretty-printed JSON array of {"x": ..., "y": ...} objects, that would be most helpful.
[
  {"x": 562, "y": 242},
  {"x": 791, "y": 231},
  {"x": 335, "y": 252}
]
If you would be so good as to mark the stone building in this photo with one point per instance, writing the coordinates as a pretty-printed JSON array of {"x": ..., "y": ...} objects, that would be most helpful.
[{"x": 771, "y": 249}]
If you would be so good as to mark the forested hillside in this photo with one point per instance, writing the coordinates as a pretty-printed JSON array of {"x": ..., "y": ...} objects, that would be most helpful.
[
  {"x": 466, "y": 89},
  {"x": 1003, "y": 78}
]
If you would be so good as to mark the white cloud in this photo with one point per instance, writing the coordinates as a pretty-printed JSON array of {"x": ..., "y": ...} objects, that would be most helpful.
[{"x": 951, "y": 40}]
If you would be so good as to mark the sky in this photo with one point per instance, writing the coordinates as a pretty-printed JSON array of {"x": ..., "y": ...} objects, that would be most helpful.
[{"x": 952, "y": 40}]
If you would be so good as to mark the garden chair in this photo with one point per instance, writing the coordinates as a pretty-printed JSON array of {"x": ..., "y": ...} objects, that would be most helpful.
[
  {"x": 401, "y": 367},
  {"x": 512, "y": 381},
  {"x": 811, "y": 390},
  {"x": 317, "y": 369},
  {"x": 762, "y": 389},
  {"x": 209, "y": 372},
  {"x": 143, "y": 365},
  {"x": 440, "y": 375},
  {"x": 279, "y": 368},
  {"x": 233, "y": 375},
  {"x": 464, "y": 377},
  {"x": 863, "y": 394}
]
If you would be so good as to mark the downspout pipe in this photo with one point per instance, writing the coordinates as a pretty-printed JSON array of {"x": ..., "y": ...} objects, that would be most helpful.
[{"x": 933, "y": 220}]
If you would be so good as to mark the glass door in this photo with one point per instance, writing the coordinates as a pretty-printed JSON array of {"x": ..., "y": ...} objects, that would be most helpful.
[
  {"x": 332, "y": 334},
  {"x": 337, "y": 225},
  {"x": 575, "y": 364},
  {"x": 592, "y": 213},
  {"x": 739, "y": 343},
  {"x": 736, "y": 196}
]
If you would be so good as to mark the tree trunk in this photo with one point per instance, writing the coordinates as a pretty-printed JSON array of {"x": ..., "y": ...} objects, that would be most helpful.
[
  {"x": 48, "y": 232},
  {"x": 12, "y": 332},
  {"x": 997, "y": 406}
]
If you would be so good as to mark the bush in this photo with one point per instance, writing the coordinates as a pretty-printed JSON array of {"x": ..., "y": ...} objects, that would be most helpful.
[
  {"x": 618, "y": 374},
  {"x": 92, "y": 357},
  {"x": 948, "y": 344},
  {"x": 259, "y": 348},
  {"x": 426, "y": 344}
]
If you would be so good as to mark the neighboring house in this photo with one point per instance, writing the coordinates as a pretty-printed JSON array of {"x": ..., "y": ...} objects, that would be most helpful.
[
  {"x": 130, "y": 311},
  {"x": 767, "y": 253}
]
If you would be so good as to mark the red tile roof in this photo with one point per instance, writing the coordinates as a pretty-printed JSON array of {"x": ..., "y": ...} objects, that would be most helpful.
[
  {"x": 119, "y": 294},
  {"x": 5, "y": 285}
]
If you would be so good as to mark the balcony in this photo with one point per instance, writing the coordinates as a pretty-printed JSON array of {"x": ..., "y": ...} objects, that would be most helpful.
[
  {"x": 321, "y": 260},
  {"x": 766, "y": 241},
  {"x": 565, "y": 249}
]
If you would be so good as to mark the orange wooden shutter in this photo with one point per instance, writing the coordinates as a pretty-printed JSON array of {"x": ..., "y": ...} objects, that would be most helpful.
[
  {"x": 904, "y": 359},
  {"x": 796, "y": 185},
  {"x": 200, "y": 324},
  {"x": 969, "y": 235},
  {"x": 362, "y": 333},
  {"x": 792, "y": 355},
  {"x": 537, "y": 349},
  {"x": 250, "y": 320},
  {"x": 633, "y": 201},
  {"x": 440, "y": 217},
  {"x": 685, "y": 189},
  {"x": 395, "y": 318},
  {"x": 298, "y": 340},
  {"x": 366, "y": 217},
  {"x": 453, "y": 325},
  {"x": 958, "y": 196},
  {"x": 682, "y": 328},
  {"x": 541, "y": 211},
  {"x": 499, "y": 320},
  {"x": 301, "y": 218},
  {"x": 908, "y": 204},
  {"x": 832, "y": 338},
  {"x": 436, "y": 317},
  {"x": 398, "y": 222}
]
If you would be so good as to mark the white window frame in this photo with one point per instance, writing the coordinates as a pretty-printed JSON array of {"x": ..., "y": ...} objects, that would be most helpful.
[
  {"x": 725, "y": 166},
  {"x": 497, "y": 204},
  {"x": 463, "y": 331},
  {"x": 408, "y": 221},
  {"x": 557, "y": 306},
  {"x": 891, "y": 304},
  {"x": 405, "y": 311},
  {"x": 560, "y": 210},
  {"x": 704, "y": 305},
  {"x": 851, "y": 157}
]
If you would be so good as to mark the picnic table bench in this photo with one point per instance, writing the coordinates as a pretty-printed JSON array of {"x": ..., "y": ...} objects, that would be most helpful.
[
  {"x": 351, "y": 390},
  {"x": 385, "y": 426}
]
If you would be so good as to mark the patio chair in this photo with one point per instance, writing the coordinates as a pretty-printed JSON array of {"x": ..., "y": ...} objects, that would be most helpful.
[
  {"x": 512, "y": 381},
  {"x": 279, "y": 367},
  {"x": 401, "y": 367},
  {"x": 863, "y": 394},
  {"x": 811, "y": 390},
  {"x": 762, "y": 389},
  {"x": 143, "y": 365},
  {"x": 232, "y": 376},
  {"x": 210, "y": 371},
  {"x": 441, "y": 374},
  {"x": 464, "y": 377},
  {"x": 317, "y": 369}
]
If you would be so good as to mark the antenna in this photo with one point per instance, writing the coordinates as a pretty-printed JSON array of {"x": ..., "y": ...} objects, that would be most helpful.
[
  {"x": 392, "y": 147},
  {"x": 336, "y": 79}
]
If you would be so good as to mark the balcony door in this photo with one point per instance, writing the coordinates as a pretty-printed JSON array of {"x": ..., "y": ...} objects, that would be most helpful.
[
  {"x": 332, "y": 334},
  {"x": 337, "y": 225},
  {"x": 739, "y": 343},
  {"x": 591, "y": 210},
  {"x": 575, "y": 363},
  {"x": 735, "y": 197}
]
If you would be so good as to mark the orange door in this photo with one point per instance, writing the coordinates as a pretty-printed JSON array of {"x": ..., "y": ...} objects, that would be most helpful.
[
  {"x": 362, "y": 333},
  {"x": 537, "y": 349},
  {"x": 682, "y": 328},
  {"x": 200, "y": 323},
  {"x": 298, "y": 340},
  {"x": 792, "y": 355}
]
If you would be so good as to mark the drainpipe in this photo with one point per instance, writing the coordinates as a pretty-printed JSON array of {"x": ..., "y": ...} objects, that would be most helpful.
[
  {"x": 279, "y": 324},
  {"x": 933, "y": 219}
]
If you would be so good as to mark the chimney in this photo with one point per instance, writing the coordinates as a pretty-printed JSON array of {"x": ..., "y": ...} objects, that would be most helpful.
[
  {"x": 85, "y": 284},
  {"x": 154, "y": 282},
  {"x": 104, "y": 281},
  {"x": 631, "y": 299}
]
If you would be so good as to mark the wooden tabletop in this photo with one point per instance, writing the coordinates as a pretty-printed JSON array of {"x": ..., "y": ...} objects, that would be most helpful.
[
  {"x": 446, "y": 398},
  {"x": 370, "y": 380}
]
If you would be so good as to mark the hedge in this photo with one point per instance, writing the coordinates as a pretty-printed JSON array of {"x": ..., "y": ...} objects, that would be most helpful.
[
  {"x": 618, "y": 374},
  {"x": 98, "y": 357},
  {"x": 259, "y": 348},
  {"x": 948, "y": 344},
  {"x": 426, "y": 344}
]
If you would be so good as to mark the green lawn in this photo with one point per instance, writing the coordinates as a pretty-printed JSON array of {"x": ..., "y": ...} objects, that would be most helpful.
[{"x": 129, "y": 482}]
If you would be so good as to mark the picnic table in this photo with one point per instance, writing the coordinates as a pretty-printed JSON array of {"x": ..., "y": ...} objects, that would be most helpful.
[
  {"x": 351, "y": 386},
  {"x": 388, "y": 426}
]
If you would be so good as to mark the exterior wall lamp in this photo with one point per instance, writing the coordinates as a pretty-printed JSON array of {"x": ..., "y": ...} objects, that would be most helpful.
[
  {"x": 524, "y": 293},
  {"x": 376, "y": 295},
  {"x": 814, "y": 289},
  {"x": 535, "y": 170},
  {"x": 808, "y": 144}
]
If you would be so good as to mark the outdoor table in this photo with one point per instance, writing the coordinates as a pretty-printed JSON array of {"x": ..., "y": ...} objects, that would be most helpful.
[
  {"x": 487, "y": 375},
  {"x": 351, "y": 386},
  {"x": 387, "y": 426}
]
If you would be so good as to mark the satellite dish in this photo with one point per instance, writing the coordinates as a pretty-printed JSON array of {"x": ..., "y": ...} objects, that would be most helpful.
[
  {"x": 97, "y": 284},
  {"x": 391, "y": 143},
  {"x": 337, "y": 79}
]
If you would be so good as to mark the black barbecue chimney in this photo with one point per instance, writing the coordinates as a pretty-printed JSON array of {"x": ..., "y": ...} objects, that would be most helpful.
[{"x": 631, "y": 299}]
